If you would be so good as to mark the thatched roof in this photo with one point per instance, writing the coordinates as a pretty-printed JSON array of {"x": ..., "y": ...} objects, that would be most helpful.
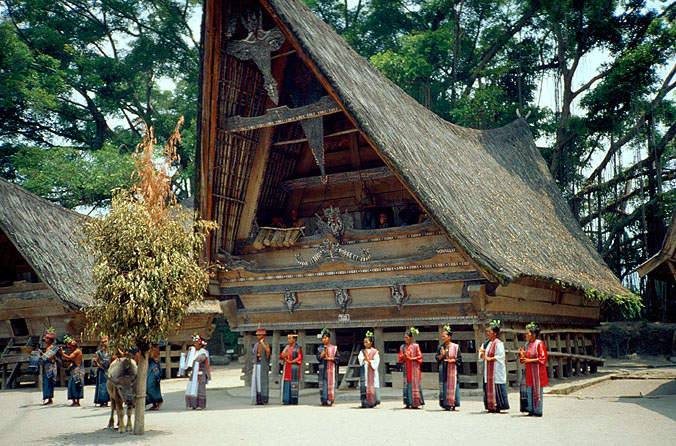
[
  {"x": 490, "y": 190},
  {"x": 41, "y": 231}
]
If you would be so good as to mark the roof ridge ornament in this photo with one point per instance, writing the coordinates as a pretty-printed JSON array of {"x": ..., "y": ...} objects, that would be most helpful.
[{"x": 257, "y": 47}]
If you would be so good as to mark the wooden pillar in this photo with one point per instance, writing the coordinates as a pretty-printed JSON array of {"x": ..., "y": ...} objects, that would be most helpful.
[
  {"x": 479, "y": 337},
  {"x": 274, "y": 359},
  {"x": 519, "y": 366},
  {"x": 550, "y": 369},
  {"x": 247, "y": 357},
  {"x": 569, "y": 362},
  {"x": 380, "y": 346},
  {"x": 303, "y": 345},
  {"x": 559, "y": 360},
  {"x": 167, "y": 361}
]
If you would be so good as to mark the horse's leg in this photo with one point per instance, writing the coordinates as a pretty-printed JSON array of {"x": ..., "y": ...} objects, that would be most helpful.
[
  {"x": 130, "y": 409},
  {"x": 120, "y": 417},
  {"x": 111, "y": 421}
]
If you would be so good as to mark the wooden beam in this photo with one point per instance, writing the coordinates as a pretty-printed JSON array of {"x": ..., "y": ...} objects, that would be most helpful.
[
  {"x": 331, "y": 285},
  {"x": 330, "y": 135},
  {"x": 282, "y": 115},
  {"x": 337, "y": 178},
  {"x": 255, "y": 184}
]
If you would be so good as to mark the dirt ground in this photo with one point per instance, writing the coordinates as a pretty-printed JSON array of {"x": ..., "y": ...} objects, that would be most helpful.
[{"x": 616, "y": 411}]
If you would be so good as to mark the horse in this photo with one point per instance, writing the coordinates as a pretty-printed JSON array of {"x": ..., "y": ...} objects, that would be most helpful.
[{"x": 121, "y": 386}]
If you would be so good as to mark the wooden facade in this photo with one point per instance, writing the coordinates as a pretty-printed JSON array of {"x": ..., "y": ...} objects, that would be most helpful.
[
  {"x": 45, "y": 281},
  {"x": 298, "y": 130}
]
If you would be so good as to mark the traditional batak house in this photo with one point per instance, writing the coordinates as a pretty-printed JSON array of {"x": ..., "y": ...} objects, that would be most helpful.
[
  {"x": 46, "y": 281},
  {"x": 314, "y": 165},
  {"x": 662, "y": 267}
]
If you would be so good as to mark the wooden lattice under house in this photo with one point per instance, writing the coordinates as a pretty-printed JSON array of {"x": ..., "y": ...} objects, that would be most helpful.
[{"x": 406, "y": 218}]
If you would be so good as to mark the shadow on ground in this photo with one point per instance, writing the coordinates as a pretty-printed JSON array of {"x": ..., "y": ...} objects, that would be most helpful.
[
  {"x": 103, "y": 436},
  {"x": 662, "y": 400}
]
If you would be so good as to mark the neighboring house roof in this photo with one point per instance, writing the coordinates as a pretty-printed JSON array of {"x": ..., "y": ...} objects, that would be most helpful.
[
  {"x": 490, "y": 190},
  {"x": 663, "y": 264},
  {"x": 42, "y": 232}
]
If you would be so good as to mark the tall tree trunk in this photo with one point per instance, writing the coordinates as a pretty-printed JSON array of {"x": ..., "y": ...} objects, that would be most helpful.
[
  {"x": 655, "y": 223},
  {"x": 140, "y": 400}
]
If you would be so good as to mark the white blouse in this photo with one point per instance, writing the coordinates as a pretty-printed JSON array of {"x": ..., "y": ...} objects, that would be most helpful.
[
  {"x": 375, "y": 362},
  {"x": 500, "y": 371}
]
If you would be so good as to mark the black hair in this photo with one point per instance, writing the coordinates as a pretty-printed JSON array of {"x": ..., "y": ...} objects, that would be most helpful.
[
  {"x": 535, "y": 330},
  {"x": 408, "y": 332},
  {"x": 495, "y": 329}
]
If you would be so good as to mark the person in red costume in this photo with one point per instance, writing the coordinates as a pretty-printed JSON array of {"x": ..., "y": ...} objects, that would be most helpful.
[
  {"x": 534, "y": 356},
  {"x": 292, "y": 355},
  {"x": 411, "y": 357}
]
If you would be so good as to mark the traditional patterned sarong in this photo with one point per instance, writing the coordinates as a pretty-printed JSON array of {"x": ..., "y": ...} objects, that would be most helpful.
[
  {"x": 260, "y": 375},
  {"x": 49, "y": 372},
  {"x": 327, "y": 373},
  {"x": 533, "y": 379},
  {"x": 449, "y": 385},
  {"x": 413, "y": 395},
  {"x": 495, "y": 395},
  {"x": 291, "y": 384},
  {"x": 76, "y": 383},
  {"x": 196, "y": 392},
  {"x": 153, "y": 389},
  {"x": 101, "y": 391},
  {"x": 367, "y": 379}
]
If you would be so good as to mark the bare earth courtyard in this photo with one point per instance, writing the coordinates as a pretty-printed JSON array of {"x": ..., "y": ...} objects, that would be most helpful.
[{"x": 624, "y": 411}]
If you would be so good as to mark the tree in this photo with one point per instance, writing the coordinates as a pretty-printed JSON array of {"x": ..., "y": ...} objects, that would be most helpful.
[
  {"x": 147, "y": 270},
  {"x": 87, "y": 75}
]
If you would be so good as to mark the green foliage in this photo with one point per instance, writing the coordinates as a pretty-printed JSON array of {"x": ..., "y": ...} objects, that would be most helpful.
[
  {"x": 72, "y": 176},
  {"x": 87, "y": 75},
  {"x": 146, "y": 255},
  {"x": 146, "y": 272}
]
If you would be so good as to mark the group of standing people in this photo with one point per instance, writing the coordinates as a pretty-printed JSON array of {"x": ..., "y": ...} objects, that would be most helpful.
[
  {"x": 449, "y": 358},
  {"x": 100, "y": 364},
  {"x": 47, "y": 358},
  {"x": 292, "y": 360},
  {"x": 196, "y": 365}
]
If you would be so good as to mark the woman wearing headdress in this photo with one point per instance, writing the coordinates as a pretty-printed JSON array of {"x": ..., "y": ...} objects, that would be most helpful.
[
  {"x": 259, "y": 367},
  {"x": 49, "y": 368},
  {"x": 153, "y": 389},
  {"x": 411, "y": 356},
  {"x": 327, "y": 355},
  {"x": 449, "y": 359},
  {"x": 495, "y": 373},
  {"x": 292, "y": 355},
  {"x": 369, "y": 382},
  {"x": 534, "y": 356},
  {"x": 76, "y": 380},
  {"x": 102, "y": 360},
  {"x": 197, "y": 363}
]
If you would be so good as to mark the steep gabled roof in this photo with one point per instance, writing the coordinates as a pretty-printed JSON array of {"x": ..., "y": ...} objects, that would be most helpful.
[
  {"x": 41, "y": 231},
  {"x": 490, "y": 190}
]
